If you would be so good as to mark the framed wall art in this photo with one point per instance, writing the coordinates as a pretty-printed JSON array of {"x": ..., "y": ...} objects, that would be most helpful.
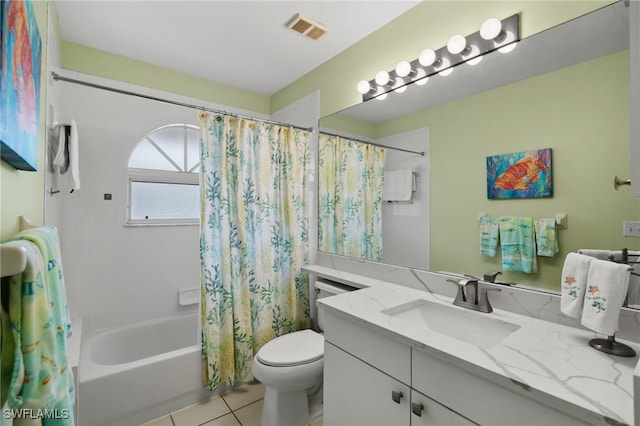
[
  {"x": 525, "y": 174},
  {"x": 21, "y": 49}
]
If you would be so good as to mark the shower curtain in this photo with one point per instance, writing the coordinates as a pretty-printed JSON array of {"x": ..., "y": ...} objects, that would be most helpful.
[
  {"x": 254, "y": 239},
  {"x": 351, "y": 174}
]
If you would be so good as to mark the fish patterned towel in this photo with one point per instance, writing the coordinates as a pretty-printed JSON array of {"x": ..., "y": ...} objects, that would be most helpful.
[
  {"x": 546, "y": 240},
  {"x": 40, "y": 324},
  {"x": 518, "y": 244},
  {"x": 489, "y": 235}
]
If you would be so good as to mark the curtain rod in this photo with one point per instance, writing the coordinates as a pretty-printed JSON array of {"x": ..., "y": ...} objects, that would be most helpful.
[
  {"x": 373, "y": 143},
  {"x": 58, "y": 77}
]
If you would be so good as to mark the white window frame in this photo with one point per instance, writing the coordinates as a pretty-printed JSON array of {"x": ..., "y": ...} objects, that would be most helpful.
[{"x": 187, "y": 177}]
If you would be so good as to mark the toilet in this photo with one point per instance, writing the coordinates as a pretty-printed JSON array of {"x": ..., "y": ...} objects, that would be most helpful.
[{"x": 290, "y": 367}]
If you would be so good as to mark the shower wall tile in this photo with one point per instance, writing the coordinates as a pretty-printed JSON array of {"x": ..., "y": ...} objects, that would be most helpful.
[{"x": 117, "y": 274}]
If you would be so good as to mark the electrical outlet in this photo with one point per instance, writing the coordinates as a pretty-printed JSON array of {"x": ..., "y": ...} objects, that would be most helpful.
[{"x": 631, "y": 228}]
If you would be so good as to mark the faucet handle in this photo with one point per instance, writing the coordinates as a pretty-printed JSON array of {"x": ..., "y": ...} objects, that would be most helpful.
[
  {"x": 460, "y": 296},
  {"x": 485, "y": 298}
]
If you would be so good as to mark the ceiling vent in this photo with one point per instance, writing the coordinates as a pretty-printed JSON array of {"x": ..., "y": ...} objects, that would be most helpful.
[{"x": 307, "y": 27}]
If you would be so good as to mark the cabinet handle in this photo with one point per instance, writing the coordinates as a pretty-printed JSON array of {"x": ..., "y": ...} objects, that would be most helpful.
[
  {"x": 416, "y": 408},
  {"x": 396, "y": 396}
]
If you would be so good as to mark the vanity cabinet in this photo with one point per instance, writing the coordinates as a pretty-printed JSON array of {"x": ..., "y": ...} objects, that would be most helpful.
[
  {"x": 357, "y": 394},
  {"x": 367, "y": 382},
  {"x": 374, "y": 379}
]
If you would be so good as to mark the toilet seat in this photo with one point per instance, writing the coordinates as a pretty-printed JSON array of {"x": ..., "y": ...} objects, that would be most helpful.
[{"x": 297, "y": 348}]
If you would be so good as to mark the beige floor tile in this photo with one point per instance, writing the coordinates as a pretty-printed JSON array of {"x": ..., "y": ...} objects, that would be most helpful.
[
  {"x": 244, "y": 395},
  {"x": 160, "y": 421},
  {"x": 228, "y": 420},
  {"x": 201, "y": 412},
  {"x": 250, "y": 415},
  {"x": 317, "y": 422}
]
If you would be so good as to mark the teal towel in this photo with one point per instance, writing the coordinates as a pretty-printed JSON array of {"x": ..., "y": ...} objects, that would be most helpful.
[
  {"x": 518, "y": 244},
  {"x": 42, "y": 378},
  {"x": 489, "y": 235},
  {"x": 546, "y": 237}
]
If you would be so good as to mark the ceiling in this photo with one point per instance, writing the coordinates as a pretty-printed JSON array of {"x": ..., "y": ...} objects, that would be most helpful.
[{"x": 244, "y": 44}]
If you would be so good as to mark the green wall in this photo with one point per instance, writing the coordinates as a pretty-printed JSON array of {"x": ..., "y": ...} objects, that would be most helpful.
[
  {"x": 582, "y": 113},
  {"x": 23, "y": 192},
  {"x": 96, "y": 62}
]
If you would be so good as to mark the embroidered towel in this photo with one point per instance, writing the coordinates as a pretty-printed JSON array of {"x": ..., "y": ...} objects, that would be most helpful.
[
  {"x": 574, "y": 283},
  {"x": 489, "y": 227},
  {"x": 607, "y": 285},
  {"x": 546, "y": 241},
  {"x": 518, "y": 244},
  {"x": 398, "y": 185}
]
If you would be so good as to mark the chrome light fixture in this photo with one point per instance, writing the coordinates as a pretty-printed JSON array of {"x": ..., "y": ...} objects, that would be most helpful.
[{"x": 494, "y": 34}]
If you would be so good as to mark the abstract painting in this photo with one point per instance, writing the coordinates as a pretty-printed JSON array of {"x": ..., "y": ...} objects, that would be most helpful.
[
  {"x": 21, "y": 50},
  {"x": 525, "y": 174}
]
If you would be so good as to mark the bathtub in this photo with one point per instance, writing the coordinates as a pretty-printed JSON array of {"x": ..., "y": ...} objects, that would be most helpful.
[{"x": 132, "y": 374}]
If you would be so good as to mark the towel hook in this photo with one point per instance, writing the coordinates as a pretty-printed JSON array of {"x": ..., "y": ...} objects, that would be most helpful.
[{"x": 617, "y": 182}]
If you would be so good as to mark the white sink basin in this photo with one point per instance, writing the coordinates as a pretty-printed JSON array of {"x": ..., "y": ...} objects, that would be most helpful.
[{"x": 476, "y": 328}]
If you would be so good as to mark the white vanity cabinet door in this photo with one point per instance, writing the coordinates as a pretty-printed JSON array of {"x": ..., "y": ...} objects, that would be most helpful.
[
  {"x": 483, "y": 401},
  {"x": 425, "y": 411},
  {"x": 356, "y": 394}
]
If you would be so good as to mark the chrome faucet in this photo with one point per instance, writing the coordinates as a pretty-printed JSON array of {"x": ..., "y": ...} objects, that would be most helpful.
[{"x": 469, "y": 297}]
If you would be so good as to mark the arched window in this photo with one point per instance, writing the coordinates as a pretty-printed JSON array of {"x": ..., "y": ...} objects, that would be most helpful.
[{"x": 163, "y": 175}]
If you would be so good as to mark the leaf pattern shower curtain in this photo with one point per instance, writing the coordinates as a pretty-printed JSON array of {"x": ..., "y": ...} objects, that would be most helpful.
[
  {"x": 351, "y": 175},
  {"x": 254, "y": 239}
]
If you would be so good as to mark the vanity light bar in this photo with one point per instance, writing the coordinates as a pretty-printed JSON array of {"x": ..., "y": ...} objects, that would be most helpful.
[{"x": 476, "y": 46}]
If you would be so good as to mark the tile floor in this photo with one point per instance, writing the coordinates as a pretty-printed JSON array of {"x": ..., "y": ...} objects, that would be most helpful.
[{"x": 239, "y": 407}]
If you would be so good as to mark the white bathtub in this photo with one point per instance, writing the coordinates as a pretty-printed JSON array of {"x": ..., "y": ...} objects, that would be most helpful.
[{"x": 133, "y": 374}]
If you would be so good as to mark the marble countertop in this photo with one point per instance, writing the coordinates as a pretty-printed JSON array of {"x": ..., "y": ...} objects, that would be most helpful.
[{"x": 554, "y": 360}]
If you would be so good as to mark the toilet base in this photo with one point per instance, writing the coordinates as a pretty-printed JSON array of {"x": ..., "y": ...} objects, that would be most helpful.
[{"x": 284, "y": 408}]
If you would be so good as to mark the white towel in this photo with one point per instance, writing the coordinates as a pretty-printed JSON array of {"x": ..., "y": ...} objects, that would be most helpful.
[
  {"x": 574, "y": 283},
  {"x": 74, "y": 160},
  {"x": 633, "y": 293},
  {"x": 607, "y": 286},
  {"x": 61, "y": 160},
  {"x": 398, "y": 185}
]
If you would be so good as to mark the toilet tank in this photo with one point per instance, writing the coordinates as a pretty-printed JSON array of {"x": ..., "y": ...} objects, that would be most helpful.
[{"x": 326, "y": 288}]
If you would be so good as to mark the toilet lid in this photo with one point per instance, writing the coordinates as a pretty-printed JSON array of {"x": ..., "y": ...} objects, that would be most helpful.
[{"x": 300, "y": 347}]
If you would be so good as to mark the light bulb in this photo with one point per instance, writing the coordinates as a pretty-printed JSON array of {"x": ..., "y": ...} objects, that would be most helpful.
[
  {"x": 422, "y": 81},
  {"x": 446, "y": 72},
  {"x": 457, "y": 44},
  {"x": 491, "y": 29},
  {"x": 508, "y": 48},
  {"x": 363, "y": 87},
  {"x": 475, "y": 61},
  {"x": 382, "y": 97},
  {"x": 401, "y": 89},
  {"x": 427, "y": 57},
  {"x": 382, "y": 78},
  {"x": 403, "y": 69}
]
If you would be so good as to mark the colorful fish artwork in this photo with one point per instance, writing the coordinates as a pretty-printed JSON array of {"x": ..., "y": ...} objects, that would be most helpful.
[
  {"x": 525, "y": 174},
  {"x": 21, "y": 49}
]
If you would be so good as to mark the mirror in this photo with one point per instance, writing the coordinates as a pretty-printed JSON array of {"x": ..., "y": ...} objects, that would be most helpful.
[{"x": 566, "y": 88}]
